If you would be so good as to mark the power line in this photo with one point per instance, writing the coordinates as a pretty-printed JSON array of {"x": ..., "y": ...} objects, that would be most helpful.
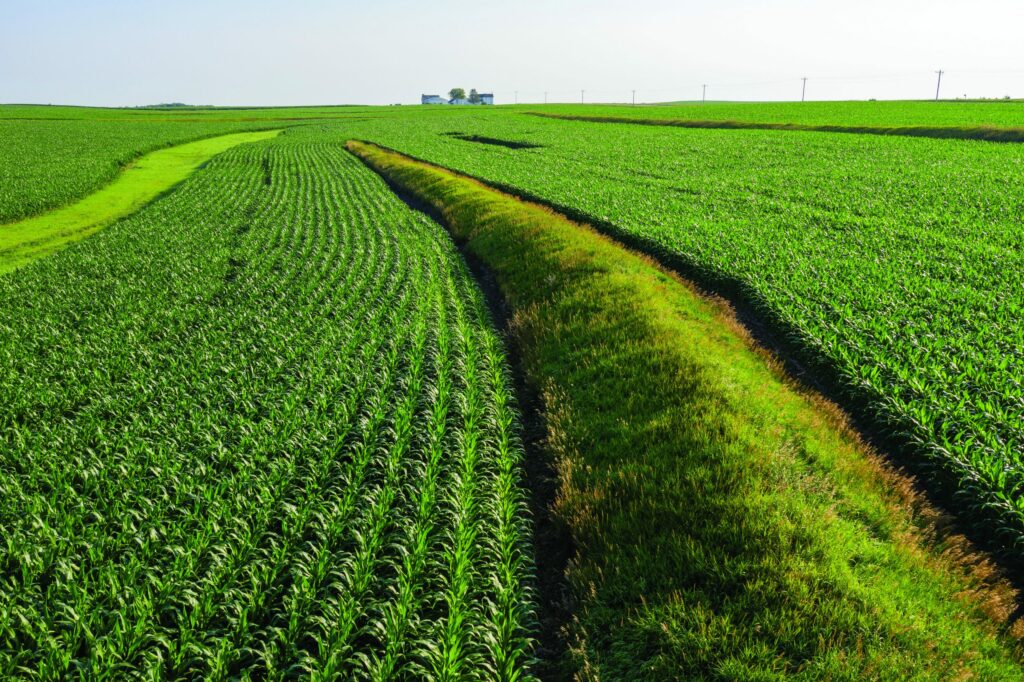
[{"x": 727, "y": 89}]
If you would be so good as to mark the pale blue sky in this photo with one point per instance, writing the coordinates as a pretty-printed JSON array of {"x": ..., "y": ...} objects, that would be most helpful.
[{"x": 230, "y": 52}]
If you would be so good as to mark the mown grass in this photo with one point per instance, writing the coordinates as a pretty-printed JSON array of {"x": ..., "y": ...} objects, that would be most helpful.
[
  {"x": 986, "y": 133},
  {"x": 147, "y": 178},
  {"x": 727, "y": 525}
]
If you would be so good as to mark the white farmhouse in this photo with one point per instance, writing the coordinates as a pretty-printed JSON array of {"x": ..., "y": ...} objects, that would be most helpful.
[{"x": 485, "y": 98}]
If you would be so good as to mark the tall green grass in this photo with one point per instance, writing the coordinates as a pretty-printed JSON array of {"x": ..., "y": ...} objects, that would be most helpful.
[{"x": 726, "y": 525}]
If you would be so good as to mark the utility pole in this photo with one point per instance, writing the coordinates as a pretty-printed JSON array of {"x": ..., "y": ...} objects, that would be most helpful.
[
  {"x": 581, "y": 96},
  {"x": 517, "y": 97},
  {"x": 803, "y": 93},
  {"x": 545, "y": 97},
  {"x": 939, "y": 84},
  {"x": 704, "y": 94},
  {"x": 634, "y": 98}
]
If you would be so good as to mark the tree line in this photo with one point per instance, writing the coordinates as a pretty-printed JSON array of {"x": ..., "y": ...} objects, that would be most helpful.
[{"x": 460, "y": 93}]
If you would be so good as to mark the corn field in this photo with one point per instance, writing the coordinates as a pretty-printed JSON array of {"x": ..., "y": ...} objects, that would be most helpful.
[{"x": 263, "y": 429}]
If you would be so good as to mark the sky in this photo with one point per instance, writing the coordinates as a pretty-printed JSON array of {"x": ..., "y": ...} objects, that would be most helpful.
[{"x": 302, "y": 52}]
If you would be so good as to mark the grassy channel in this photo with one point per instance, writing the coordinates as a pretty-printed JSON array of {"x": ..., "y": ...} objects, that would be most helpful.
[
  {"x": 727, "y": 525},
  {"x": 986, "y": 133},
  {"x": 885, "y": 266}
]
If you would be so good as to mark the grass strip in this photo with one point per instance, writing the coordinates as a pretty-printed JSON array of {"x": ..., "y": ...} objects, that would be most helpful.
[
  {"x": 985, "y": 133},
  {"x": 141, "y": 182},
  {"x": 727, "y": 524}
]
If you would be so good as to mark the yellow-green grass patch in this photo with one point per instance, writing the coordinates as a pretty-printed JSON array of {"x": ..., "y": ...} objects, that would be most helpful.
[{"x": 144, "y": 180}]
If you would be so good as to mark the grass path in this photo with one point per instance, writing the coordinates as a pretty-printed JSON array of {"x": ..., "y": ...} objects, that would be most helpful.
[
  {"x": 144, "y": 180},
  {"x": 726, "y": 523}
]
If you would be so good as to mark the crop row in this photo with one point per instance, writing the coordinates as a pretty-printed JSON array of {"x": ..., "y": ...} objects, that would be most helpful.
[{"x": 261, "y": 429}]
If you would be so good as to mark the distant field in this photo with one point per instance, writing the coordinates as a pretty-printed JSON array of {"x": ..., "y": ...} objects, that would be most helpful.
[
  {"x": 54, "y": 155},
  {"x": 43, "y": 112},
  {"x": 147, "y": 177}
]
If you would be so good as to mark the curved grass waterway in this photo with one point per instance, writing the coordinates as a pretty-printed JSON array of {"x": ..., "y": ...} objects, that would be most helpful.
[
  {"x": 985, "y": 133},
  {"x": 726, "y": 523},
  {"x": 144, "y": 180}
]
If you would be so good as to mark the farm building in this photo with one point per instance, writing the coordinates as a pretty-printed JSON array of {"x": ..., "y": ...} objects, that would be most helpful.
[{"x": 485, "y": 98}]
